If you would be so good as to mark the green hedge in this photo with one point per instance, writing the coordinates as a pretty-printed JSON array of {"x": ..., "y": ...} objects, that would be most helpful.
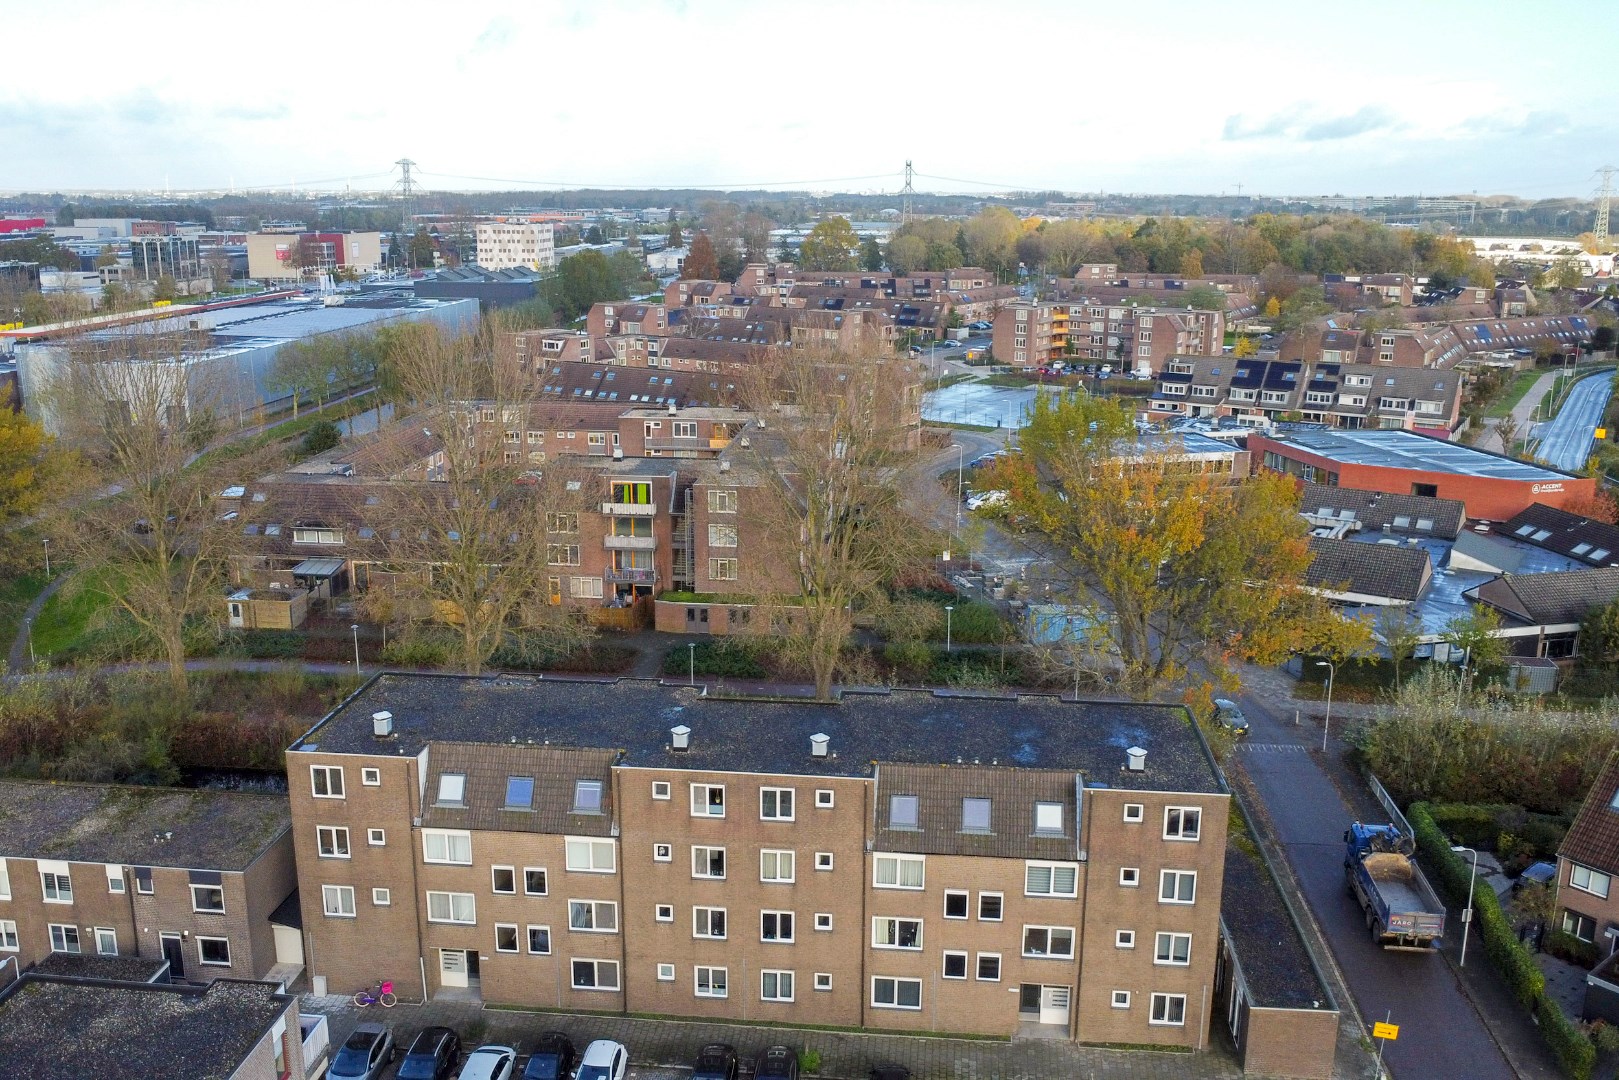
[{"x": 1511, "y": 958}]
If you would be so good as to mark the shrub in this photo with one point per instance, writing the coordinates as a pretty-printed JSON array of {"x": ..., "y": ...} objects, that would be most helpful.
[
  {"x": 809, "y": 1061},
  {"x": 1566, "y": 946},
  {"x": 264, "y": 644},
  {"x": 732, "y": 658},
  {"x": 424, "y": 648},
  {"x": 1574, "y": 1051},
  {"x": 978, "y": 623},
  {"x": 909, "y": 656},
  {"x": 321, "y": 437}
]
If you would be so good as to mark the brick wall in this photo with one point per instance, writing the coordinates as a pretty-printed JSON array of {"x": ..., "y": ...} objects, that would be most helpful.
[{"x": 1289, "y": 1042}]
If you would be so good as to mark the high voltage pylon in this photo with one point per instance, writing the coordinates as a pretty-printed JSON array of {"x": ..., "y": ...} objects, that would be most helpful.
[
  {"x": 1604, "y": 196},
  {"x": 905, "y": 194},
  {"x": 407, "y": 191}
]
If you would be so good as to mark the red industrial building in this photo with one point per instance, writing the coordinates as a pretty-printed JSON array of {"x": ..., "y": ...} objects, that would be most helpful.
[{"x": 1493, "y": 487}]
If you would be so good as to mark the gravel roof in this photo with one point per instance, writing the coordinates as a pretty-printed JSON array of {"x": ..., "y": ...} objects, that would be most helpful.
[
  {"x": 634, "y": 716},
  {"x": 110, "y": 823},
  {"x": 89, "y": 966},
  {"x": 1267, "y": 941},
  {"x": 52, "y": 1029}
]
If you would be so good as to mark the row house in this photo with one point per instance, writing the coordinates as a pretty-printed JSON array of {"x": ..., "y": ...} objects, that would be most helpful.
[
  {"x": 903, "y": 861},
  {"x": 1376, "y": 290},
  {"x": 686, "y": 292},
  {"x": 1565, "y": 333},
  {"x": 1424, "y": 347},
  {"x": 1259, "y": 393},
  {"x": 536, "y": 350},
  {"x": 193, "y": 878},
  {"x": 1137, "y": 339},
  {"x": 604, "y": 319}
]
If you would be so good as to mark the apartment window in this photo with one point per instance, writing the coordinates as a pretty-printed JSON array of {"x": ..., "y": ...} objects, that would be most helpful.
[
  {"x": 776, "y": 866},
  {"x": 519, "y": 793},
  {"x": 381, "y": 898},
  {"x": 776, "y": 804},
  {"x": 1177, "y": 886},
  {"x": 889, "y": 933},
  {"x": 776, "y": 926},
  {"x": 664, "y": 913},
  {"x": 1581, "y": 926},
  {"x": 337, "y": 901},
  {"x": 823, "y": 980},
  {"x": 989, "y": 967},
  {"x": 371, "y": 777},
  {"x": 534, "y": 881},
  {"x": 208, "y": 898},
  {"x": 107, "y": 943},
  {"x": 1174, "y": 949},
  {"x": 823, "y": 860},
  {"x": 5, "y": 881},
  {"x": 956, "y": 903},
  {"x": 1051, "y": 879},
  {"x": 57, "y": 886},
  {"x": 1048, "y": 819},
  {"x": 823, "y": 798},
  {"x": 445, "y": 846},
  {"x": 823, "y": 920},
  {"x": 452, "y": 789},
  {"x": 593, "y": 916},
  {"x": 1124, "y": 939},
  {"x": 562, "y": 523},
  {"x": 8, "y": 936},
  {"x": 326, "y": 781},
  {"x": 722, "y": 569},
  {"x": 708, "y": 800},
  {"x": 506, "y": 937},
  {"x": 1121, "y": 999},
  {"x": 503, "y": 880},
  {"x": 1587, "y": 880},
  {"x": 143, "y": 881},
  {"x": 595, "y": 974},
  {"x": 451, "y": 907},
  {"x": 955, "y": 965},
  {"x": 660, "y": 789},
  {"x": 990, "y": 906},
  {"x": 213, "y": 951},
  {"x": 1182, "y": 822},
  {"x": 1168, "y": 1009},
  {"x": 710, "y": 982},
  {"x": 891, "y": 993},
  {"x": 587, "y": 796},
  {"x": 722, "y": 502},
  {"x": 376, "y": 837},
  {"x": 115, "y": 879},
  {"x": 708, "y": 922},
  {"x": 1129, "y": 876},
  {"x": 539, "y": 940},
  {"x": 332, "y": 841},
  {"x": 776, "y": 985},
  {"x": 591, "y": 856},
  {"x": 707, "y": 862},
  {"x": 902, "y": 811},
  {"x": 898, "y": 871},
  {"x": 562, "y": 554},
  {"x": 663, "y": 853},
  {"x": 1055, "y": 942},
  {"x": 64, "y": 939},
  {"x": 975, "y": 815},
  {"x": 722, "y": 536}
]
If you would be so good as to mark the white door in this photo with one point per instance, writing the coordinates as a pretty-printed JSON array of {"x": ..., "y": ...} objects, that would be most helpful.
[
  {"x": 1054, "y": 1005},
  {"x": 452, "y": 967},
  {"x": 236, "y": 615}
]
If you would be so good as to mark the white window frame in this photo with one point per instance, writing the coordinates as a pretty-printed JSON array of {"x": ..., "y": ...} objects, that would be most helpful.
[
  {"x": 1048, "y": 931},
  {"x": 702, "y": 923},
  {"x": 792, "y": 926},
  {"x": 8, "y": 936},
  {"x": 1164, "y": 943},
  {"x": 661, "y": 790},
  {"x": 220, "y": 910},
  {"x": 1124, "y": 939},
  {"x": 1052, "y": 869},
  {"x": 1000, "y": 900},
  {"x": 823, "y": 980},
  {"x": 944, "y": 966},
  {"x": 332, "y": 899},
  {"x": 708, "y": 807},
  {"x": 823, "y": 920},
  {"x": 707, "y": 862},
  {"x": 451, "y": 899},
  {"x": 598, "y": 966},
  {"x": 382, "y": 897},
  {"x": 780, "y": 976},
  {"x": 1587, "y": 880},
  {"x": 105, "y": 934},
  {"x": 63, "y": 934},
  {"x": 592, "y": 848},
  {"x": 494, "y": 885},
  {"x": 5, "y": 881},
  {"x": 966, "y": 904},
  {"x": 1182, "y": 817},
  {"x": 663, "y": 853},
  {"x": 1121, "y": 999},
  {"x": 323, "y": 833},
  {"x": 370, "y": 777},
  {"x": 781, "y": 857},
  {"x": 56, "y": 886},
  {"x": 663, "y": 913},
  {"x": 894, "y": 986},
  {"x": 115, "y": 880},
  {"x": 890, "y": 926},
  {"x": 528, "y": 937},
  {"x": 978, "y": 967},
  {"x": 1161, "y": 1006},
  {"x": 517, "y": 942},
  {"x": 448, "y": 837},
  {"x": 823, "y": 860},
  {"x": 376, "y": 838},
  {"x": 593, "y": 909},
  {"x": 327, "y": 772},
  {"x": 1134, "y": 812},
  {"x": 666, "y": 973},
  {"x": 545, "y": 881},
  {"x": 825, "y": 798},
  {"x": 1130, "y": 877},
  {"x": 776, "y": 793},
  {"x": 213, "y": 963},
  {"x": 1164, "y": 878},
  {"x": 704, "y": 984},
  {"x": 898, "y": 861}
]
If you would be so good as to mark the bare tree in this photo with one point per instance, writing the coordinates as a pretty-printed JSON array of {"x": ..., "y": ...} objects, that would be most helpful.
[
  {"x": 479, "y": 539},
  {"x": 838, "y": 431}
]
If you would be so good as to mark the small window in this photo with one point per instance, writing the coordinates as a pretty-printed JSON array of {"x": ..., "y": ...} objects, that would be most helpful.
[
  {"x": 956, "y": 903},
  {"x": 371, "y": 777},
  {"x": 660, "y": 790},
  {"x": 1129, "y": 876},
  {"x": 506, "y": 937},
  {"x": 823, "y": 920},
  {"x": 823, "y": 860},
  {"x": 823, "y": 980},
  {"x": 539, "y": 940},
  {"x": 534, "y": 883},
  {"x": 381, "y": 897},
  {"x": 664, "y": 913},
  {"x": 1121, "y": 999},
  {"x": 989, "y": 967},
  {"x": 587, "y": 797},
  {"x": 663, "y": 853},
  {"x": 503, "y": 880},
  {"x": 376, "y": 837},
  {"x": 115, "y": 880},
  {"x": 975, "y": 815},
  {"x": 708, "y": 800},
  {"x": 1048, "y": 818},
  {"x": 990, "y": 906},
  {"x": 902, "y": 811},
  {"x": 666, "y": 973},
  {"x": 1134, "y": 812},
  {"x": 823, "y": 798},
  {"x": 452, "y": 789},
  {"x": 1124, "y": 939},
  {"x": 955, "y": 965},
  {"x": 519, "y": 793},
  {"x": 208, "y": 898},
  {"x": 215, "y": 952}
]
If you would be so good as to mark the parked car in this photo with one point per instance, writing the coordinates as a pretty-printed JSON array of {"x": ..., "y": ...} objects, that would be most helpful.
[
  {"x": 986, "y": 499},
  {"x": 490, "y": 1062},
  {"x": 716, "y": 1061},
  {"x": 777, "y": 1061},
  {"x": 603, "y": 1060},
  {"x": 1228, "y": 716},
  {"x": 365, "y": 1053},
  {"x": 432, "y": 1055},
  {"x": 890, "y": 1072},
  {"x": 553, "y": 1058},
  {"x": 952, "y": 345}
]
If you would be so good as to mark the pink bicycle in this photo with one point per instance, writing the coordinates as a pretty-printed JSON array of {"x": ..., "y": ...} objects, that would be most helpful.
[{"x": 383, "y": 995}]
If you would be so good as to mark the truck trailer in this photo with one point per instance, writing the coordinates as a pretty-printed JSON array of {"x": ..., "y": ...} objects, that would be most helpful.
[{"x": 1402, "y": 910}]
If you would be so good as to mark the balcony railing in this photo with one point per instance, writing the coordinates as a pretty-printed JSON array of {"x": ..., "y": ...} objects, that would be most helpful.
[
  {"x": 629, "y": 509},
  {"x": 630, "y": 543},
  {"x": 631, "y": 575}
]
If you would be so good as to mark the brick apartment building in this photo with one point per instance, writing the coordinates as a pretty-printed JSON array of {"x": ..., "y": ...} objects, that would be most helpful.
[
  {"x": 190, "y": 877},
  {"x": 1261, "y": 392},
  {"x": 1132, "y": 339},
  {"x": 900, "y": 860}
]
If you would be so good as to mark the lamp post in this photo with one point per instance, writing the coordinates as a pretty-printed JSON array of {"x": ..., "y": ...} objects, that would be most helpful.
[
  {"x": 47, "y": 557},
  {"x": 948, "y": 609},
  {"x": 1467, "y": 913},
  {"x": 691, "y": 663},
  {"x": 1332, "y": 674},
  {"x": 354, "y": 628}
]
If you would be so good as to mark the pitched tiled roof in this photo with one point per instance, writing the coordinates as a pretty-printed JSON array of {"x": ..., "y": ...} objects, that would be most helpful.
[
  {"x": 1574, "y": 535},
  {"x": 1397, "y": 572},
  {"x": 1375, "y": 509},
  {"x": 1593, "y": 839},
  {"x": 487, "y": 767},
  {"x": 1012, "y": 793},
  {"x": 1559, "y": 597}
]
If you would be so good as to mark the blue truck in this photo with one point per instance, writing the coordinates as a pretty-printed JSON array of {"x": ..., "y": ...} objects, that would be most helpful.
[{"x": 1402, "y": 910}]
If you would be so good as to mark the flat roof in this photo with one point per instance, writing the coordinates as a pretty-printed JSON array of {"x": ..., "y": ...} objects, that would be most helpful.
[
  {"x": 734, "y": 734},
  {"x": 1269, "y": 947},
  {"x": 1408, "y": 450}
]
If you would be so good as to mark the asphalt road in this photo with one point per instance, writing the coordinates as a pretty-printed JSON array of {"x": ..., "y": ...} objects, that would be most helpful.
[
  {"x": 1565, "y": 441},
  {"x": 1441, "y": 1034}
]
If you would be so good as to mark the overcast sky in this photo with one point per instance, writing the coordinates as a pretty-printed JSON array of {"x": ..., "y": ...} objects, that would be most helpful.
[{"x": 1294, "y": 97}]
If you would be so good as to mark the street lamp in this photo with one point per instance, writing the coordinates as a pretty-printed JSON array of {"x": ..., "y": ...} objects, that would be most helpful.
[
  {"x": 354, "y": 628},
  {"x": 948, "y": 608},
  {"x": 1467, "y": 913},
  {"x": 691, "y": 661},
  {"x": 1332, "y": 674},
  {"x": 47, "y": 557}
]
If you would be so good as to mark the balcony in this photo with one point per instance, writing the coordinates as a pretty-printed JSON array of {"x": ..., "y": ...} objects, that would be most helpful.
[
  {"x": 631, "y": 575},
  {"x": 629, "y": 509},
  {"x": 629, "y": 543}
]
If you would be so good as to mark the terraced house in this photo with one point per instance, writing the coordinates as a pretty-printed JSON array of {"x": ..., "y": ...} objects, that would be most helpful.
[{"x": 904, "y": 860}]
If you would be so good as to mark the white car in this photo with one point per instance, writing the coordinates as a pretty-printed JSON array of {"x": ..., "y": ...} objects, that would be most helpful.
[
  {"x": 985, "y": 499},
  {"x": 603, "y": 1060},
  {"x": 489, "y": 1063}
]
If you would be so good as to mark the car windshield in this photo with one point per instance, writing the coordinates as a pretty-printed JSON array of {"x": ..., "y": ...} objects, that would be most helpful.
[
  {"x": 541, "y": 1067},
  {"x": 351, "y": 1060},
  {"x": 418, "y": 1066},
  {"x": 592, "y": 1072}
]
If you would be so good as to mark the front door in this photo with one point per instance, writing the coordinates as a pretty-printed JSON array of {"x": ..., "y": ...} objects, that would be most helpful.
[
  {"x": 1028, "y": 1004},
  {"x": 452, "y": 967},
  {"x": 174, "y": 952},
  {"x": 236, "y": 619},
  {"x": 1054, "y": 1005}
]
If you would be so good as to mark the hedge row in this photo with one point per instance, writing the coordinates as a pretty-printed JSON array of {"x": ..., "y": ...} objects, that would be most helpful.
[{"x": 1511, "y": 958}]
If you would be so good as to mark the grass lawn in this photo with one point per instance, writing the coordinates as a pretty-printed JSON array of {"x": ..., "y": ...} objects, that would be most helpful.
[
  {"x": 66, "y": 617},
  {"x": 1515, "y": 391},
  {"x": 15, "y": 596}
]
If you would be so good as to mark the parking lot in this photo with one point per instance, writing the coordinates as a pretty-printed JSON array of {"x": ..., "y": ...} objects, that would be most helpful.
[{"x": 664, "y": 1049}]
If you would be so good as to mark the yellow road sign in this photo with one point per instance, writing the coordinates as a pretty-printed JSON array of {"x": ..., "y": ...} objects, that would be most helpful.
[
  {"x": 1381, "y": 1030},
  {"x": 1602, "y": 433}
]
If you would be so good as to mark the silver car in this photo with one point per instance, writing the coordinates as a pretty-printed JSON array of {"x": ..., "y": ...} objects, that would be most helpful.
[{"x": 1228, "y": 716}]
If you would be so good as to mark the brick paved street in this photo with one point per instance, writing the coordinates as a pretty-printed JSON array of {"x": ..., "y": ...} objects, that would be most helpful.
[{"x": 661, "y": 1049}]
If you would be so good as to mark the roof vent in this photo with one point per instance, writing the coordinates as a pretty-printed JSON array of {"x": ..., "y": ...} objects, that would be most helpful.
[
  {"x": 1135, "y": 759},
  {"x": 618, "y": 453},
  {"x": 818, "y": 744},
  {"x": 673, "y": 409},
  {"x": 382, "y": 724},
  {"x": 725, "y": 466},
  {"x": 680, "y": 738}
]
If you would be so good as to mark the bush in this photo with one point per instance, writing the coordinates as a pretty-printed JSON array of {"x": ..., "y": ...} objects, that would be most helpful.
[
  {"x": 727, "y": 658},
  {"x": 1566, "y": 946},
  {"x": 809, "y": 1061},
  {"x": 424, "y": 648},
  {"x": 908, "y": 656},
  {"x": 1574, "y": 1051},
  {"x": 263, "y": 644},
  {"x": 320, "y": 438},
  {"x": 978, "y": 623}
]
